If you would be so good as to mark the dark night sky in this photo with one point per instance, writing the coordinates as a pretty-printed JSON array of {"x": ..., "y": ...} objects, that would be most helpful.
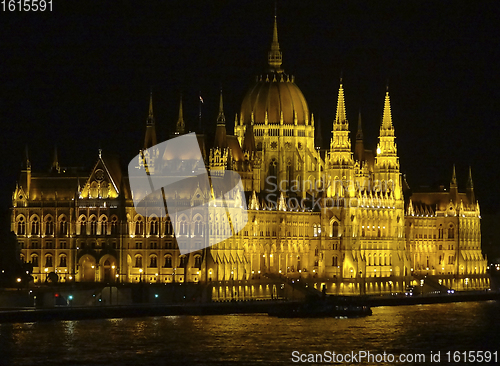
[{"x": 79, "y": 77}]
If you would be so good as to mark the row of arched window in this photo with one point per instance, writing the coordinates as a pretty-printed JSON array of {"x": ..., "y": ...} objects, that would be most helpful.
[
  {"x": 49, "y": 260},
  {"x": 168, "y": 261}
]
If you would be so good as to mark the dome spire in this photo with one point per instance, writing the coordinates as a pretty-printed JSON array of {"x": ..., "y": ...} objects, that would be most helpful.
[
  {"x": 180, "y": 127},
  {"x": 274, "y": 56}
]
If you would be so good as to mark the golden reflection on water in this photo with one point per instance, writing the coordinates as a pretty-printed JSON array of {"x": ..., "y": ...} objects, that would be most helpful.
[{"x": 252, "y": 339}]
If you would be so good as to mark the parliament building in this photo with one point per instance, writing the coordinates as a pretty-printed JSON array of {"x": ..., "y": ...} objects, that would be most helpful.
[{"x": 341, "y": 218}]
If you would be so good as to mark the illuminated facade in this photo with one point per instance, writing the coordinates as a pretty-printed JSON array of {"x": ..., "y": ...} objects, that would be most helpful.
[{"x": 334, "y": 217}]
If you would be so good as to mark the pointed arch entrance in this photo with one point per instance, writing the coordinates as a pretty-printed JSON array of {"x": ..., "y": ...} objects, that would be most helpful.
[
  {"x": 109, "y": 268},
  {"x": 87, "y": 268}
]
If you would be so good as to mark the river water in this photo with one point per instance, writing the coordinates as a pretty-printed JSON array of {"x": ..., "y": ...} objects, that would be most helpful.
[{"x": 256, "y": 339}]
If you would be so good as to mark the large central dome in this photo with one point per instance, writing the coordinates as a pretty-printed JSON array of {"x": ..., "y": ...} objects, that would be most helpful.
[{"x": 274, "y": 94}]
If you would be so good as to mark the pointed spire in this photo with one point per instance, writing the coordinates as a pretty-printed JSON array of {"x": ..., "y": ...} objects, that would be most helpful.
[
  {"x": 180, "y": 126},
  {"x": 220, "y": 131},
  {"x": 340, "y": 118},
  {"x": 27, "y": 161},
  {"x": 151, "y": 118},
  {"x": 150, "y": 137},
  {"x": 274, "y": 56},
  {"x": 221, "y": 119},
  {"x": 387, "y": 117},
  {"x": 359, "y": 133},
  {"x": 341, "y": 143},
  {"x": 359, "y": 150},
  {"x": 387, "y": 145},
  {"x": 454, "y": 186},
  {"x": 453, "y": 177},
  {"x": 470, "y": 184},
  {"x": 55, "y": 162},
  {"x": 470, "y": 188}
]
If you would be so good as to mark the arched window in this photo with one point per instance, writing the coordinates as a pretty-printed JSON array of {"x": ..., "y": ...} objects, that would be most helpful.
[
  {"x": 152, "y": 261},
  {"x": 315, "y": 230},
  {"x": 168, "y": 227},
  {"x": 93, "y": 226},
  {"x": 168, "y": 261},
  {"x": 139, "y": 226},
  {"x": 451, "y": 232},
  {"x": 34, "y": 260},
  {"x": 49, "y": 226},
  {"x": 153, "y": 229},
  {"x": 197, "y": 261},
  {"x": 183, "y": 227},
  {"x": 198, "y": 227},
  {"x": 63, "y": 226},
  {"x": 48, "y": 260},
  {"x": 114, "y": 225},
  {"x": 35, "y": 226},
  {"x": 138, "y": 261},
  {"x": 183, "y": 261},
  {"x": 335, "y": 229},
  {"x": 104, "y": 225},
  {"x": 62, "y": 261},
  {"x": 83, "y": 226},
  {"x": 21, "y": 226},
  {"x": 335, "y": 261}
]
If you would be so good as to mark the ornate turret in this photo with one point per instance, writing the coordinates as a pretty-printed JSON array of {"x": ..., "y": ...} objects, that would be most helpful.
[
  {"x": 387, "y": 145},
  {"x": 387, "y": 161},
  {"x": 341, "y": 143}
]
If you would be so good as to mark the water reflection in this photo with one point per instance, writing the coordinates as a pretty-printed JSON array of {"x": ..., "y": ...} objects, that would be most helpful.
[{"x": 249, "y": 339}]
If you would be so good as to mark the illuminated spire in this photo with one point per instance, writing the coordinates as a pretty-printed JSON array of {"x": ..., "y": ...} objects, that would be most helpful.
[
  {"x": 340, "y": 123},
  {"x": 387, "y": 118},
  {"x": 341, "y": 143},
  {"x": 387, "y": 144},
  {"x": 180, "y": 126},
  {"x": 274, "y": 56}
]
